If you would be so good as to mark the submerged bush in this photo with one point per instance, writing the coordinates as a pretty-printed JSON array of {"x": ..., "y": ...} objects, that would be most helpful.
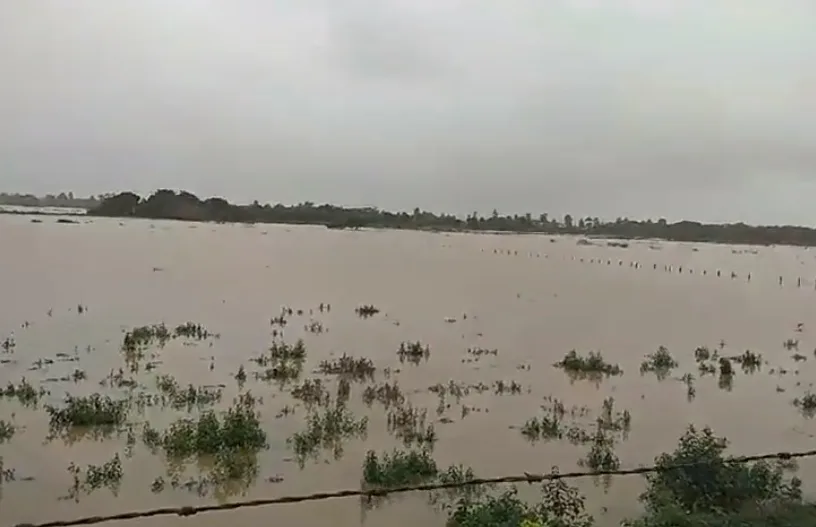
[
  {"x": 594, "y": 363},
  {"x": 719, "y": 491},
  {"x": 661, "y": 363},
  {"x": 94, "y": 410},
  {"x": 239, "y": 429}
]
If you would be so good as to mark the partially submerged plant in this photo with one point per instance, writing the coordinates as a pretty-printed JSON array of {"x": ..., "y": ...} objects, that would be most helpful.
[
  {"x": 806, "y": 404},
  {"x": 355, "y": 368},
  {"x": 386, "y": 394},
  {"x": 93, "y": 477},
  {"x": 546, "y": 427},
  {"x": 398, "y": 468},
  {"x": 6, "y": 474},
  {"x": 184, "y": 398},
  {"x": 237, "y": 430},
  {"x": 7, "y": 431},
  {"x": 413, "y": 352},
  {"x": 283, "y": 362},
  {"x": 8, "y": 344},
  {"x": 609, "y": 420},
  {"x": 561, "y": 506},
  {"x": 366, "y": 311},
  {"x": 660, "y": 363},
  {"x": 601, "y": 456},
  {"x": 312, "y": 392},
  {"x": 593, "y": 364},
  {"x": 327, "y": 428},
  {"x": 408, "y": 424},
  {"x": 749, "y": 361},
  {"x": 504, "y": 387},
  {"x": 91, "y": 411},
  {"x": 24, "y": 392},
  {"x": 715, "y": 490},
  {"x": 479, "y": 352},
  {"x": 726, "y": 369}
]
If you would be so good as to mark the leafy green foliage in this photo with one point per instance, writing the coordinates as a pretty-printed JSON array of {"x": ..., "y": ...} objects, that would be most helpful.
[
  {"x": 561, "y": 506},
  {"x": 718, "y": 491}
]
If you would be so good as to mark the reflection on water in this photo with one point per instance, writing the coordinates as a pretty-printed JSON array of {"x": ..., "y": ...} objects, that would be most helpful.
[{"x": 438, "y": 340}]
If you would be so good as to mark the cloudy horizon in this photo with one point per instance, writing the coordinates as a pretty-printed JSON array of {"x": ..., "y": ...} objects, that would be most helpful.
[{"x": 684, "y": 109}]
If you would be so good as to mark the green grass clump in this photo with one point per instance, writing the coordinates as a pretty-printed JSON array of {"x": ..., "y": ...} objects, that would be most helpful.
[
  {"x": 281, "y": 351},
  {"x": 366, "y": 311},
  {"x": 312, "y": 392},
  {"x": 359, "y": 369},
  {"x": 93, "y": 477},
  {"x": 327, "y": 429},
  {"x": 806, "y": 404},
  {"x": 386, "y": 394},
  {"x": 24, "y": 392},
  {"x": 283, "y": 362},
  {"x": 398, "y": 468},
  {"x": 408, "y": 423},
  {"x": 561, "y": 506},
  {"x": 7, "y": 431},
  {"x": 601, "y": 456},
  {"x": 661, "y": 363},
  {"x": 237, "y": 430},
  {"x": 173, "y": 395},
  {"x": 91, "y": 411},
  {"x": 413, "y": 352},
  {"x": 594, "y": 363},
  {"x": 546, "y": 427}
]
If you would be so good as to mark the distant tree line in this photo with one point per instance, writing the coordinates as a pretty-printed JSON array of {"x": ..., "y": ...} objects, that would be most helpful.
[
  {"x": 50, "y": 200},
  {"x": 169, "y": 204}
]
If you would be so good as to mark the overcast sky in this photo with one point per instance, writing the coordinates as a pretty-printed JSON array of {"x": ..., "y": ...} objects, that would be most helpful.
[{"x": 697, "y": 109}]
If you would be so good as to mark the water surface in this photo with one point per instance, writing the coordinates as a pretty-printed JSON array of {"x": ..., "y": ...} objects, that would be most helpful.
[{"x": 532, "y": 297}]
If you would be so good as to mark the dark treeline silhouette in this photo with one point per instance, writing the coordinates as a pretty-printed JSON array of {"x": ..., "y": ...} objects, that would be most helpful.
[
  {"x": 169, "y": 204},
  {"x": 51, "y": 200}
]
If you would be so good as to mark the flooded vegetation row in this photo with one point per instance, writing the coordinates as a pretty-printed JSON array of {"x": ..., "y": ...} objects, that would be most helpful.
[{"x": 183, "y": 388}]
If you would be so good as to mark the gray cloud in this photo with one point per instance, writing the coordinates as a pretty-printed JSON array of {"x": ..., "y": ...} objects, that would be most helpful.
[{"x": 667, "y": 107}]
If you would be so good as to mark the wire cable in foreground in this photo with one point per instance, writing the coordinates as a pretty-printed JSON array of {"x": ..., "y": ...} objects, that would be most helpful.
[{"x": 525, "y": 478}]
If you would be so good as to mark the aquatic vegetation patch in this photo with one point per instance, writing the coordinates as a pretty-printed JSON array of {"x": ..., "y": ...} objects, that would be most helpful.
[
  {"x": 90, "y": 411},
  {"x": 366, "y": 311},
  {"x": 413, "y": 352},
  {"x": 355, "y": 368},
  {"x": 398, "y": 468},
  {"x": 236, "y": 430},
  {"x": 561, "y": 505},
  {"x": 593, "y": 363},
  {"x": 327, "y": 428},
  {"x": 507, "y": 388},
  {"x": 312, "y": 392},
  {"x": 282, "y": 362},
  {"x": 94, "y": 477},
  {"x": 7, "y": 431},
  {"x": 601, "y": 455},
  {"x": 173, "y": 395},
  {"x": 408, "y": 424},
  {"x": 24, "y": 392},
  {"x": 718, "y": 491},
  {"x": 806, "y": 404},
  {"x": 661, "y": 363},
  {"x": 386, "y": 394}
]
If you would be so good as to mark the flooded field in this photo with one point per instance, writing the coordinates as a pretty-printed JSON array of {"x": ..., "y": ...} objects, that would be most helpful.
[{"x": 450, "y": 343}]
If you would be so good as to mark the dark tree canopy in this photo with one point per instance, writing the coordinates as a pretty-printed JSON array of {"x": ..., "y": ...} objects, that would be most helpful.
[{"x": 169, "y": 204}]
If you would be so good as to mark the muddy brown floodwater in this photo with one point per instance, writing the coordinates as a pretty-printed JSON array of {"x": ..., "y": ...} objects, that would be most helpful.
[{"x": 533, "y": 298}]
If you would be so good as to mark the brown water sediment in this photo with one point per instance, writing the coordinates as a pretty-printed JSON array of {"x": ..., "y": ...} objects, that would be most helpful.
[{"x": 528, "y": 297}]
